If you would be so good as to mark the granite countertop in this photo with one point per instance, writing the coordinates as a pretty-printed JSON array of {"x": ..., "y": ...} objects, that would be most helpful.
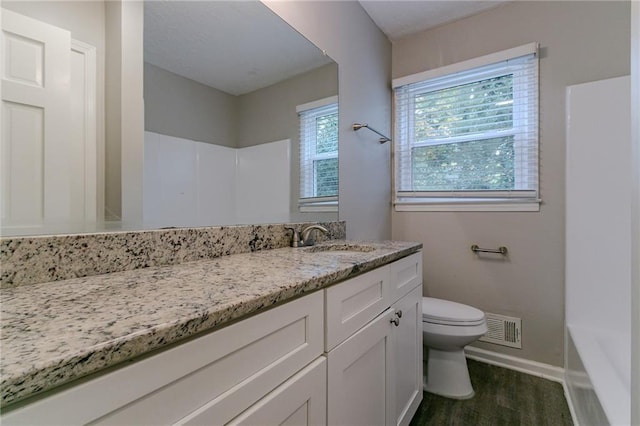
[{"x": 56, "y": 332}]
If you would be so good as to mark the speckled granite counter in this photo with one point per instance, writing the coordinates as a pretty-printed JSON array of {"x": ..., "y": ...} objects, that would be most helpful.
[
  {"x": 55, "y": 332},
  {"x": 40, "y": 259}
]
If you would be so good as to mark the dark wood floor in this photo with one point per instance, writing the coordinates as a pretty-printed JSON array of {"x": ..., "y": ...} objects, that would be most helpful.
[{"x": 503, "y": 397}]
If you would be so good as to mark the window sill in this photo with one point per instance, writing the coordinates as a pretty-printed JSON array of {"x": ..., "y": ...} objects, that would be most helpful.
[
  {"x": 467, "y": 205},
  {"x": 319, "y": 207}
]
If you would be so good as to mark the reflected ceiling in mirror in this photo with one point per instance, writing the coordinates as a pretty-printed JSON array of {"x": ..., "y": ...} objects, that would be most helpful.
[{"x": 234, "y": 46}]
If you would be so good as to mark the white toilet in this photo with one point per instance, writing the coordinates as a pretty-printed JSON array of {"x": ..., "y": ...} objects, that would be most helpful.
[{"x": 447, "y": 327}]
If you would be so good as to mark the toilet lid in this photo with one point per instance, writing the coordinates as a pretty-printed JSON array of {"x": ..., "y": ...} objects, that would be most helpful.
[{"x": 440, "y": 311}]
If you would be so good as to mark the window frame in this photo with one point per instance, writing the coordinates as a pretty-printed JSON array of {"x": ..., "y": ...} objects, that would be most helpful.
[
  {"x": 456, "y": 200},
  {"x": 307, "y": 200}
]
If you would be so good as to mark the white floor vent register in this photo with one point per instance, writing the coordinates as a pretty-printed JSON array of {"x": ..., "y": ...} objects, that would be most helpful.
[{"x": 503, "y": 330}]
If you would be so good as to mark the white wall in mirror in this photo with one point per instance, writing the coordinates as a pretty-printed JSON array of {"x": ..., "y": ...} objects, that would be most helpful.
[
  {"x": 263, "y": 182},
  {"x": 189, "y": 183}
]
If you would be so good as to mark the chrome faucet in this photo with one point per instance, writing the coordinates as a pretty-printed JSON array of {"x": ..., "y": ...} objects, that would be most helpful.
[
  {"x": 303, "y": 238},
  {"x": 306, "y": 239}
]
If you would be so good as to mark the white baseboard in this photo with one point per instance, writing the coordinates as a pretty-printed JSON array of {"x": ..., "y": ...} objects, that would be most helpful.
[{"x": 534, "y": 368}]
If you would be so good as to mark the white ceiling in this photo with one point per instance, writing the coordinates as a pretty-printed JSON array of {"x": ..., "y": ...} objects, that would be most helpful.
[
  {"x": 241, "y": 46},
  {"x": 234, "y": 46},
  {"x": 398, "y": 18}
]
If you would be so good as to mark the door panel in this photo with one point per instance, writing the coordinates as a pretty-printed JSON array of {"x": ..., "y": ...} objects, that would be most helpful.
[
  {"x": 35, "y": 136},
  {"x": 22, "y": 187}
]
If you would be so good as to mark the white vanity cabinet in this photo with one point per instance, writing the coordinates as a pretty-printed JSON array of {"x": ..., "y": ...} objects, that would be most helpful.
[
  {"x": 217, "y": 376},
  {"x": 348, "y": 354},
  {"x": 375, "y": 373}
]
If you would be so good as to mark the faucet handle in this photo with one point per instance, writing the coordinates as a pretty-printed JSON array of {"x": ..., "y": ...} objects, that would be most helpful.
[{"x": 295, "y": 236}]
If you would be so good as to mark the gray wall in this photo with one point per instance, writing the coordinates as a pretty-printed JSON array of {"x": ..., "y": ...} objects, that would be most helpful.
[
  {"x": 363, "y": 55},
  {"x": 581, "y": 41},
  {"x": 113, "y": 114},
  {"x": 269, "y": 114},
  {"x": 178, "y": 106}
]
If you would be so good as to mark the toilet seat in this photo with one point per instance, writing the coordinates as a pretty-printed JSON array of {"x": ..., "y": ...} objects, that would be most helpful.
[{"x": 445, "y": 312}]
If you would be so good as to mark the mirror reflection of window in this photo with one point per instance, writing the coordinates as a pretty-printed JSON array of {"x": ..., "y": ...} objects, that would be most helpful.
[{"x": 319, "y": 155}]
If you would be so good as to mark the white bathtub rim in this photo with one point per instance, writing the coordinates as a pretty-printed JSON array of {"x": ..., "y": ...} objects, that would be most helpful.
[{"x": 605, "y": 383}]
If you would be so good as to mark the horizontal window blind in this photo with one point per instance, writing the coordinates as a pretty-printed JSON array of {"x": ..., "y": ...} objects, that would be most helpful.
[
  {"x": 472, "y": 134},
  {"x": 319, "y": 154}
]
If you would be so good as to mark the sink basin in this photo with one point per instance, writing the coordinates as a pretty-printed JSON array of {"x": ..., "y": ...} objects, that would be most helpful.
[{"x": 340, "y": 247}]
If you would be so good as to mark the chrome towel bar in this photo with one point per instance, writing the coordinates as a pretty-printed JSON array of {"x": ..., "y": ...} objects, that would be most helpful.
[
  {"x": 358, "y": 126},
  {"x": 500, "y": 250}
]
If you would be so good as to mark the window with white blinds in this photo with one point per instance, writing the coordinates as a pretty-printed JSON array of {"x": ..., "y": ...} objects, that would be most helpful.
[
  {"x": 319, "y": 155},
  {"x": 469, "y": 136}
]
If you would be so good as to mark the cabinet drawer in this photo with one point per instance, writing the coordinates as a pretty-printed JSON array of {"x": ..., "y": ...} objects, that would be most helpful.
[
  {"x": 406, "y": 274},
  {"x": 301, "y": 400},
  {"x": 353, "y": 303},
  {"x": 233, "y": 367}
]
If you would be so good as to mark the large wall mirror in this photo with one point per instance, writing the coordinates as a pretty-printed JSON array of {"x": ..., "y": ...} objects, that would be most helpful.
[{"x": 226, "y": 85}]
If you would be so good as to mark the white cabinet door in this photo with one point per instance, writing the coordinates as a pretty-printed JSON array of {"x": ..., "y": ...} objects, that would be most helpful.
[
  {"x": 359, "y": 370},
  {"x": 301, "y": 400},
  {"x": 407, "y": 339}
]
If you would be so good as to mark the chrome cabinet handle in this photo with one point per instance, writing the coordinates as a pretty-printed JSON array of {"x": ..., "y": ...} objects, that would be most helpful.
[{"x": 396, "y": 320}]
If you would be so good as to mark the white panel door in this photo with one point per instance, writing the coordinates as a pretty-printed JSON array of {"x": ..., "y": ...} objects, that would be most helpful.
[
  {"x": 35, "y": 122},
  {"x": 84, "y": 152}
]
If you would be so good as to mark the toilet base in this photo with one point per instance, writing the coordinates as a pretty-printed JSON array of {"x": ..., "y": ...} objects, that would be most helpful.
[{"x": 447, "y": 374}]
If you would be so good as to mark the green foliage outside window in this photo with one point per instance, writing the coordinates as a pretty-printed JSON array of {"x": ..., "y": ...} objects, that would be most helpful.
[
  {"x": 326, "y": 170},
  {"x": 326, "y": 173},
  {"x": 478, "y": 164},
  {"x": 327, "y": 134}
]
